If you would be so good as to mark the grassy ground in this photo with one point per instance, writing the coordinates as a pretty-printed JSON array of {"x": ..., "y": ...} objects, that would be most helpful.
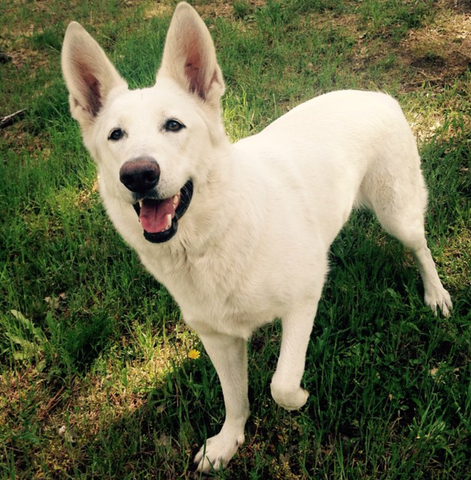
[{"x": 99, "y": 376}]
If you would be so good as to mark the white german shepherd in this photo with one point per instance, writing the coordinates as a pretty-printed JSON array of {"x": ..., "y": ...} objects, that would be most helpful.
[{"x": 240, "y": 233}]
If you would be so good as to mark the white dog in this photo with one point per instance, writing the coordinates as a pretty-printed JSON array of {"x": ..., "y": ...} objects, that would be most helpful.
[{"x": 240, "y": 233}]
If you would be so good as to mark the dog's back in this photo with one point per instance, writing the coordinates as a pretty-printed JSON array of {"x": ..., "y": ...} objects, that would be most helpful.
[{"x": 336, "y": 152}]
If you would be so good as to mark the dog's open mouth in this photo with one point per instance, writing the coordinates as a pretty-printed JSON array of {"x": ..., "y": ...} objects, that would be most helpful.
[{"x": 159, "y": 218}]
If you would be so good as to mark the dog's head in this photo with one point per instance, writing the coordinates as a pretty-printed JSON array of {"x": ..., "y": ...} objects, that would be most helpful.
[{"x": 145, "y": 141}]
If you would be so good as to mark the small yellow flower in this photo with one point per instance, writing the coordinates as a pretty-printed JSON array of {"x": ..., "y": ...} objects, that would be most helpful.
[{"x": 194, "y": 354}]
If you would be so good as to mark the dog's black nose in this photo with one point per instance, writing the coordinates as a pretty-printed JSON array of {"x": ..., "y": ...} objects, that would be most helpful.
[{"x": 140, "y": 174}]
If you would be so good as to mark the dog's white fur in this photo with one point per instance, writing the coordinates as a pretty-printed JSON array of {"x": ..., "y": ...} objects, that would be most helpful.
[{"x": 254, "y": 243}]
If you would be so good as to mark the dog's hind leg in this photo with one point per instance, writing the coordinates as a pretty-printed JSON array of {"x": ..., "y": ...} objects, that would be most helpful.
[
  {"x": 435, "y": 293},
  {"x": 399, "y": 202},
  {"x": 286, "y": 387},
  {"x": 411, "y": 233},
  {"x": 229, "y": 357}
]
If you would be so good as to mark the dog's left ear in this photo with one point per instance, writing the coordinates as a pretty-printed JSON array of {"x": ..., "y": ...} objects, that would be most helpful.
[{"x": 189, "y": 56}]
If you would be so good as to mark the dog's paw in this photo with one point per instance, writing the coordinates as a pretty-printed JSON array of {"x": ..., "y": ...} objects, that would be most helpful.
[
  {"x": 289, "y": 399},
  {"x": 440, "y": 299},
  {"x": 218, "y": 451}
]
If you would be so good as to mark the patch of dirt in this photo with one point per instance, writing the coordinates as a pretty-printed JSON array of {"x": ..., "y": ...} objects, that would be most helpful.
[
  {"x": 158, "y": 10},
  {"x": 440, "y": 52},
  {"x": 461, "y": 6},
  {"x": 216, "y": 9}
]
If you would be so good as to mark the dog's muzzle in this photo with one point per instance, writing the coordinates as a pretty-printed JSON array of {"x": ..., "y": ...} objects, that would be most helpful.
[{"x": 158, "y": 217}]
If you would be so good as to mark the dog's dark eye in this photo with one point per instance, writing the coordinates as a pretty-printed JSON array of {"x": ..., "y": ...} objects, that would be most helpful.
[
  {"x": 116, "y": 134},
  {"x": 173, "y": 126}
]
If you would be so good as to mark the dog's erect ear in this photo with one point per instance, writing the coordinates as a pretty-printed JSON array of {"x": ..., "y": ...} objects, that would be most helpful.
[
  {"x": 189, "y": 56},
  {"x": 88, "y": 73}
]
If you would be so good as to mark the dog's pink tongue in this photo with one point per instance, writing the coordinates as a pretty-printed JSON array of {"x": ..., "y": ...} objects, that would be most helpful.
[{"x": 154, "y": 214}]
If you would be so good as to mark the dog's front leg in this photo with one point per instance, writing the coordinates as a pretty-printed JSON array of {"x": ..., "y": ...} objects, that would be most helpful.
[
  {"x": 229, "y": 357},
  {"x": 286, "y": 383}
]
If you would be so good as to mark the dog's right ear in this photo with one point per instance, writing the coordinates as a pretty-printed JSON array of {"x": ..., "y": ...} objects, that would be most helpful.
[{"x": 88, "y": 73}]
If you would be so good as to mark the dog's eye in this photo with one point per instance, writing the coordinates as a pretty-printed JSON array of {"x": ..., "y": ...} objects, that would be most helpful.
[
  {"x": 173, "y": 126},
  {"x": 116, "y": 134}
]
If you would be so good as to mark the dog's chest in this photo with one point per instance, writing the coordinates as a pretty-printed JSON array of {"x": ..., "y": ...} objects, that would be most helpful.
[{"x": 214, "y": 293}]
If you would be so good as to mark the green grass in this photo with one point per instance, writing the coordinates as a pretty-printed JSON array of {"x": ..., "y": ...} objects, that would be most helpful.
[{"x": 96, "y": 381}]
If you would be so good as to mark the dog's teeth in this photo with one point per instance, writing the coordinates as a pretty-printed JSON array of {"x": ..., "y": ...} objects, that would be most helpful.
[
  {"x": 176, "y": 200},
  {"x": 169, "y": 221},
  {"x": 140, "y": 203}
]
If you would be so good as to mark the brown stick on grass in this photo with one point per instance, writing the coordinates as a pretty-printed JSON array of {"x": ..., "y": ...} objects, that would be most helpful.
[{"x": 11, "y": 119}]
